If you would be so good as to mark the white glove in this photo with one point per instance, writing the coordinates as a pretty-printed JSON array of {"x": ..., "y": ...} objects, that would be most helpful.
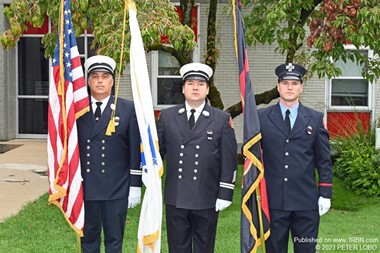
[
  {"x": 221, "y": 204},
  {"x": 134, "y": 197},
  {"x": 324, "y": 205}
]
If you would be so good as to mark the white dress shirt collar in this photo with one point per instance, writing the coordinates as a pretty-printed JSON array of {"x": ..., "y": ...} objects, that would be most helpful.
[
  {"x": 198, "y": 110},
  {"x": 102, "y": 107}
]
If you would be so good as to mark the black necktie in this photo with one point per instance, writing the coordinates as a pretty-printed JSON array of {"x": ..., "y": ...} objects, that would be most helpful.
[
  {"x": 287, "y": 121},
  {"x": 98, "y": 111},
  {"x": 192, "y": 119}
]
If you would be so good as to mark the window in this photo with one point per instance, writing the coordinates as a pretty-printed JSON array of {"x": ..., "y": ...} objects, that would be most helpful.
[
  {"x": 169, "y": 81},
  {"x": 33, "y": 83},
  {"x": 350, "y": 89},
  {"x": 84, "y": 47},
  {"x": 33, "y": 80},
  {"x": 350, "y": 98},
  {"x": 166, "y": 79}
]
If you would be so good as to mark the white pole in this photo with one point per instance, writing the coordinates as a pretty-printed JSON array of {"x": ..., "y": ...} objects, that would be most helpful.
[{"x": 377, "y": 145}]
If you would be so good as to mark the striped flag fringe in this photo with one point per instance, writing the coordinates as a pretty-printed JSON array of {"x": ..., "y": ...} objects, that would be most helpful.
[
  {"x": 68, "y": 100},
  {"x": 149, "y": 231},
  {"x": 255, "y": 213}
]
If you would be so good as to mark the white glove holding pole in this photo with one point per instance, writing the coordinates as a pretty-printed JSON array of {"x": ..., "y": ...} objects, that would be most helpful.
[
  {"x": 324, "y": 205},
  {"x": 134, "y": 197},
  {"x": 222, "y": 204}
]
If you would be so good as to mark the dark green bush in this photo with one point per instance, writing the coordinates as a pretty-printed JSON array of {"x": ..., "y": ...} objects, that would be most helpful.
[{"x": 358, "y": 162}]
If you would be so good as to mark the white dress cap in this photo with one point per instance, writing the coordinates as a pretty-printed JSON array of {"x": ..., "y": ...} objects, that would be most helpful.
[
  {"x": 196, "y": 71},
  {"x": 100, "y": 63}
]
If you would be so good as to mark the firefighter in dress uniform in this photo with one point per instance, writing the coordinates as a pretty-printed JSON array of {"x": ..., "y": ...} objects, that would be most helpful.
[
  {"x": 295, "y": 146},
  {"x": 110, "y": 164},
  {"x": 199, "y": 143}
]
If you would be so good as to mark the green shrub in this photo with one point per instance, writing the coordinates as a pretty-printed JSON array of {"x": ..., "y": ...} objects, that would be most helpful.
[{"x": 358, "y": 162}]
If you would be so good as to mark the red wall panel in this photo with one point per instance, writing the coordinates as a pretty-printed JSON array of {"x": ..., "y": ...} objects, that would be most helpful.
[
  {"x": 347, "y": 123},
  {"x": 43, "y": 30}
]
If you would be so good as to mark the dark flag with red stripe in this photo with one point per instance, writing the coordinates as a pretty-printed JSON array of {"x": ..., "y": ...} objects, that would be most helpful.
[{"x": 254, "y": 206}]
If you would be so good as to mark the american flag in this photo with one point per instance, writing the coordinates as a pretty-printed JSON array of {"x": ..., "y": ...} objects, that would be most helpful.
[
  {"x": 255, "y": 213},
  {"x": 68, "y": 100},
  {"x": 149, "y": 231}
]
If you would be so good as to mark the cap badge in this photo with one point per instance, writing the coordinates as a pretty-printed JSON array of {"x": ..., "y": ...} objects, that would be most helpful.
[{"x": 290, "y": 67}]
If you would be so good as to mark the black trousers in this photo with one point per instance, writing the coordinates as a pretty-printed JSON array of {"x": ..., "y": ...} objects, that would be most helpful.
[
  {"x": 191, "y": 230},
  {"x": 303, "y": 226},
  {"x": 109, "y": 215}
]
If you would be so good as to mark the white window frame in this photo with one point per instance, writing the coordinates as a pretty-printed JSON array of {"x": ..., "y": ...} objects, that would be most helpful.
[
  {"x": 155, "y": 64},
  {"x": 370, "y": 88},
  {"x": 18, "y": 134},
  {"x": 85, "y": 35}
]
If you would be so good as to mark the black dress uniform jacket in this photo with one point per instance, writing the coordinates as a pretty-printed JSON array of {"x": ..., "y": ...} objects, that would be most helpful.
[
  {"x": 201, "y": 163},
  {"x": 291, "y": 183},
  {"x": 110, "y": 164}
]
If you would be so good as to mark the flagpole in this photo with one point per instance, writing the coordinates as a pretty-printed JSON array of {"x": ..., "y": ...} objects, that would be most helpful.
[
  {"x": 111, "y": 125},
  {"x": 246, "y": 152},
  {"x": 61, "y": 87},
  {"x": 61, "y": 92},
  {"x": 79, "y": 244},
  {"x": 262, "y": 236}
]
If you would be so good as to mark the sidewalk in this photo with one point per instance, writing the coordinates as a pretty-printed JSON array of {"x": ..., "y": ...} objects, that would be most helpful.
[{"x": 22, "y": 175}]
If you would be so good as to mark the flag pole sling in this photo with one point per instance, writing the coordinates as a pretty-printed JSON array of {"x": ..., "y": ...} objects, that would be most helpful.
[{"x": 260, "y": 213}]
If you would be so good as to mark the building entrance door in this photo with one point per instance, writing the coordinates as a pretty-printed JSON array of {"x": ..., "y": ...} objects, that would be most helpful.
[
  {"x": 33, "y": 80},
  {"x": 33, "y": 88}
]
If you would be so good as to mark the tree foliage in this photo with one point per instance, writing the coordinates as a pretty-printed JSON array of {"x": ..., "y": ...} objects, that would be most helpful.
[
  {"x": 314, "y": 32},
  {"x": 104, "y": 18},
  {"x": 158, "y": 19},
  {"x": 309, "y": 32}
]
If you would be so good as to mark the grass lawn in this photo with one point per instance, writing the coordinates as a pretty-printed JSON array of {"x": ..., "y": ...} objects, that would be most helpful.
[{"x": 352, "y": 225}]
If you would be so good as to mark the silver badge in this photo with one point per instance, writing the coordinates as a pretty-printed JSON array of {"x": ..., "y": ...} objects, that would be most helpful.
[
  {"x": 309, "y": 130},
  {"x": 209, "y": 135},
  {"x": 182, "y": 110},
  {"x": 117, "y": 120}
]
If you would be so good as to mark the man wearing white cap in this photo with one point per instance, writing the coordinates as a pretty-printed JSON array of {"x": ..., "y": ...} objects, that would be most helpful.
[
  {"x": 295, "y": 147},
  {"x": 110, "y": 164},
  {"x": 201, "y": 162}
]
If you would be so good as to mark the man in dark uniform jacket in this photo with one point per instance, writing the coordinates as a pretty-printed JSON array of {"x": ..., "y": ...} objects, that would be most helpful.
[
  {"x": 201, "y": 162},
  {"x": 295, "y": 145},
  {"x": 110, "y": 164}
]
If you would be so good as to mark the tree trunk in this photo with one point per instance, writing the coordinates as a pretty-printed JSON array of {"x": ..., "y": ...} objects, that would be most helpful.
[
  {"x": 211, "y": 58},
  {"x": 262, "y": 98}
]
